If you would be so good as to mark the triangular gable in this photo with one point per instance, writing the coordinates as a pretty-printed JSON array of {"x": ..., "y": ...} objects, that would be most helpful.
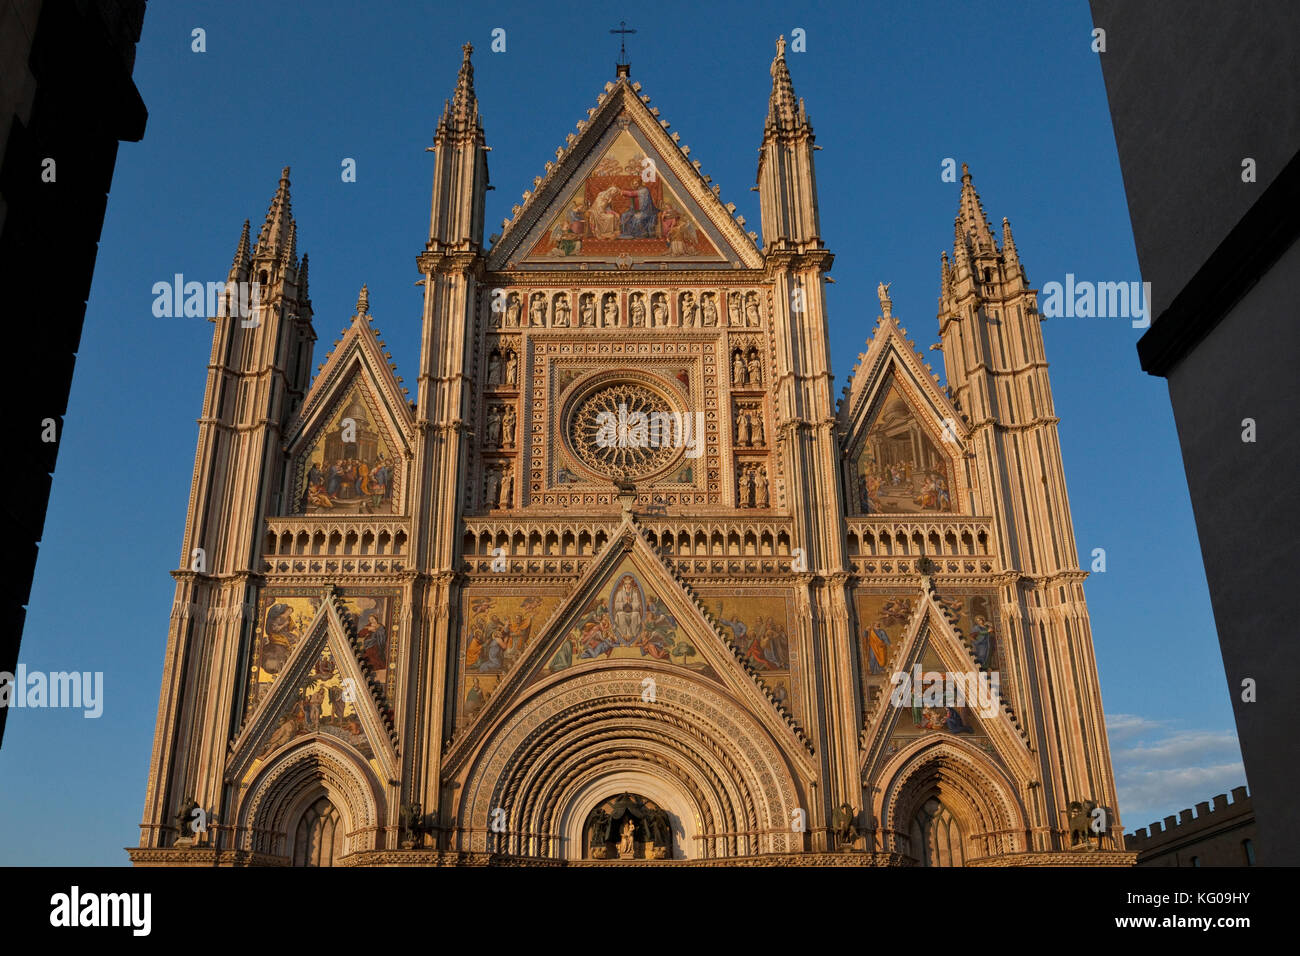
[
  {"x": 932, "y": 643},
  {"x": 359, "y": 356},
  {"x": 331, "y": 474},
  {"x": 286, "y": 616},
  {"x": 889, "y": 351},
  {"x": 324, "y": 690},
  {"x": 902, "y": 437},
  {"x": 623, "y": 192},
  {"x": 599, "y": 623}
]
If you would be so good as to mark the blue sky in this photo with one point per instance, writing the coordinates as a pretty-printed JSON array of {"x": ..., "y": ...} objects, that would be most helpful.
[{"x": 1011, "y": 88}]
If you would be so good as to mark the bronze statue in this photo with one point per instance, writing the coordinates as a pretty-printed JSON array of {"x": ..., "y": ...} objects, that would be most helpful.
[
  {"x": 185, "y": 818},
  {"x": 845, "y": 830},
  {"x": 413, "y": 823},
  {"x": 660, "y": 826},
  {"x": 1080, "y": 816},
  {"x": 600, "y": 824}
]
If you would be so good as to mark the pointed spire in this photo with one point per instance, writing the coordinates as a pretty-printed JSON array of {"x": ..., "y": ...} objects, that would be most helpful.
[
  {"x": 290, "y": 254},
  {"x": 363, "y": 301},
  {"x": 1008, "y": 243},
  {"x": 945, "y": 275},
  {"x": 303, "y": 297},
  {"x": 784, "y": 110},
  {"x": 960, "y": 249},
  {"x": 464, "y": 101},
  {"x": 973, "y": 220},
  {"x": 240, "y": 264},
  {"x": 460, "y": 114},
  {"x": 275, "y": 231}
]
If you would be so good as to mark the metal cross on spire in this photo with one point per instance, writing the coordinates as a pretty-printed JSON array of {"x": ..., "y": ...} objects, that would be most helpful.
[{"x": 623, "y": 32}]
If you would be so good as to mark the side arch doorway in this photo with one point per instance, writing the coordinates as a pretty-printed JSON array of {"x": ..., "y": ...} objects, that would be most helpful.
[
  {"x": 317, "y": 839},
  {"x": 936, "y": 836}
]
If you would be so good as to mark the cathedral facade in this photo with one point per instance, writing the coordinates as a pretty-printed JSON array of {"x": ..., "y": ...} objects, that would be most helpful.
[{"x": 625, "y": 583}]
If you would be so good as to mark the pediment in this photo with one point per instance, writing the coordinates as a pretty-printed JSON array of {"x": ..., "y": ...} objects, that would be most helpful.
[
  {"x": 623, "y": 194},
  {"x": 968, "y": 703},
  {"x": 627, "y": 609},
  {"x": 351, "y": 440},
  {"x": 323, "y": 688}
]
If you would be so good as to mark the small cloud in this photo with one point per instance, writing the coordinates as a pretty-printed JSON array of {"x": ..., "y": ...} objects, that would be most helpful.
[
  {"x": 1122, "y": 726},
  {"x": 1160, "y": 770},
  {"x": 1148, "y": 796},
  {"x": 1183, "y": 747}
]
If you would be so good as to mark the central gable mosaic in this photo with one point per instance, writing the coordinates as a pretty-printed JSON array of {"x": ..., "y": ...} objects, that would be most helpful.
[{"x": 625, "y": 208}]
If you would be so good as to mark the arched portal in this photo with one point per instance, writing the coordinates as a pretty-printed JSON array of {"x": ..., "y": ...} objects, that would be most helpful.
[
  {"x": 576, "y": 742},
  {"x": 942, "y": 802},
  {"x": 314, "y": 802}
]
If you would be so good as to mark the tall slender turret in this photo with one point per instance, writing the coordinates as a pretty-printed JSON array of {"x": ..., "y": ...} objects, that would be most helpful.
[
  {"x": 997, "y": 370},
  {"x": 452, "y": 257},
  {"x": 257, "y": 375}
]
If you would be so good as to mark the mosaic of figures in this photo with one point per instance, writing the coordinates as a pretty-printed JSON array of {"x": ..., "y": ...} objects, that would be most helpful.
[
  {"x": 883, "y": 619},
  {"x": 760, "y": 626},
  {"x": 637, "y": 309},
  {"x": 624, "y": 208},
  {"x": 898, "y": 467},
  {"x": 498, "y": 630},
  {"x": 925, "y": 709},
  {"x": 352, "y": 467},
  {"x": 324, "y": 704},
  {"x": 284, "y": 618},
  {"x": 628, "y": 622}
]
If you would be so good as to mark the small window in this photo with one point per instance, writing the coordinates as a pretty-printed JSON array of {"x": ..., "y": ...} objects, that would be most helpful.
[{"x": 1249, "y": 847}]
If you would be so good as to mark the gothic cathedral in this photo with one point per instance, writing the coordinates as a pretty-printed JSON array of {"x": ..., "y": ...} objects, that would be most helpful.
[{"x": 624, "y": 584}]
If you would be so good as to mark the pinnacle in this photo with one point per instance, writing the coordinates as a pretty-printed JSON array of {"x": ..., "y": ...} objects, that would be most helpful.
[
  {"x": 1008, "y": 243},
  {"x": 302, "y": 281},
  {"x": 460, "y": 114},
  {"x": 363, "y": 300},
  {"x": 784, "y": 110},
  {"x": 241, "y": 252},
  {"x": 279, "y": 216},
  {"x": 971, "y": 214}
]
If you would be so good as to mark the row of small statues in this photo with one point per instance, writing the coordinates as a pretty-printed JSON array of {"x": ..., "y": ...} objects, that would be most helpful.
[
  {"x": 752, "y": 488},
  {"x": 746, "y": 367},
  {"x": 500, "y": 426},
  {"x": 742, "y": 310}
]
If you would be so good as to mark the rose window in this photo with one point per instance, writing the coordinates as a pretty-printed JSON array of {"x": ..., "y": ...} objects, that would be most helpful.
[{"x": 624, "y": 430}]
